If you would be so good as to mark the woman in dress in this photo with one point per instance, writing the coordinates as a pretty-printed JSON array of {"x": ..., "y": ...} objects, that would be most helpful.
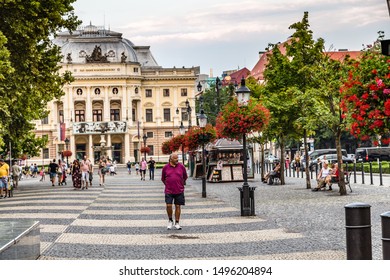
[
  {"x": 102, "y": 171},
  {"x": 76, "y": 174}
]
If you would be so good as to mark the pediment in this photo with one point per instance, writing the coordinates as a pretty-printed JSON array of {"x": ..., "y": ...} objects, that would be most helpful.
[
  {"x": 166, "y": 104},
  {"x": 148, "y": 104}
]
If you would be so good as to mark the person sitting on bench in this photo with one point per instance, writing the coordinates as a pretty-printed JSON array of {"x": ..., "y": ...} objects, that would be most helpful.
[
  {"x": 273, "y": 173},
  {"x": 323, "y": 177}
]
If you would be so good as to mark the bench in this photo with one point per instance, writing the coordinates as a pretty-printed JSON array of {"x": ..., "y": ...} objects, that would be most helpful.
[
  {"x": 347, "y": 180},
  {"x": 273, "y": 178}
]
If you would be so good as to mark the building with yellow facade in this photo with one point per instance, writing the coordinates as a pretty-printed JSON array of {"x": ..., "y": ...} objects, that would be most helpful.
[{"x": 119, "y": 94}]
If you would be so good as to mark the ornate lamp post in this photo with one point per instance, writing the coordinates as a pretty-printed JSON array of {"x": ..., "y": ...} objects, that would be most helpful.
[
  {"x": 182, "y": 132},
  {"x": 247, "y": 208},
  {"x": 67, "y": 148},
  {"x": 145, "y": 138},
  {"x": 218, "y": 86},
  {"x": 189, "y": 110},
  {"x": 202, "y": 118}
]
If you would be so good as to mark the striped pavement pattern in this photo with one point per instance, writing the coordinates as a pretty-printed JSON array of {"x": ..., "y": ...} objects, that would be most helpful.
[{"x": 126, "y": 219}]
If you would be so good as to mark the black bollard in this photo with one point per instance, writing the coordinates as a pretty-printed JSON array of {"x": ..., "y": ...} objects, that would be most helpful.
[
  {"x": 385, "y": 217},
  {"x": 380, "y": 174},
  {"x": 358, "y": 230},
  {"x": 371, "y": 178}
]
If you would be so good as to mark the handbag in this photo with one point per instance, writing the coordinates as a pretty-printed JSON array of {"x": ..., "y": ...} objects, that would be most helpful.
[{"x": 90, "y": 176}]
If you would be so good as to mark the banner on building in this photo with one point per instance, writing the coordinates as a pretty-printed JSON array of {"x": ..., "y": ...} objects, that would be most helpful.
[{"x": 62, "y": 131}]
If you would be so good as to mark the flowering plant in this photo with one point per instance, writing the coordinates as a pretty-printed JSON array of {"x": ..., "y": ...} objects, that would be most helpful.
[
  {"x": 176, "y": 142},
  {"x": 172, "y": 145},
  {"x": 366, "y": 101},
  {"x": 197, "y": 136},
  {"x": 165, "y": 147},
  {"x": 67, "y": 153},
  {"x": 145, "y": 150},
  {"x": 233, "y": 121}
]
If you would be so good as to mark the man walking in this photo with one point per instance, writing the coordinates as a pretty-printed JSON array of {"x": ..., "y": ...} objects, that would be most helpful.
[
  {"x": 53, "y": 168},
  {"x": 4, "y": 173},
  {"x": 151, "y": 164},
  {"x": 16, "y": 171},
  {"x": 85, "y": 168},
  {"x": 174, "y": 176}
]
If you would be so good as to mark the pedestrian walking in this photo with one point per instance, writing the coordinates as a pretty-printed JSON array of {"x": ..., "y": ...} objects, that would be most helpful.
[
  {"x": 136, "y": 167},
  {"x": 143, "y": 167},
  {"x": 174, "y": 176},
  {"x": 85, "y": 167},
  {"x": 76, "y": 174},
  {"x": 42, "y": 174},
  {"x": 4, "y": 174},
  {"x": 102, "y": 171},
  {"x": 53, "y": 166},
  {"x": 151, "y": 164},
  {"x": 90, "y": 173},
  {"x": 128, "y": 167},
  {"x": 16, "y": 171}
]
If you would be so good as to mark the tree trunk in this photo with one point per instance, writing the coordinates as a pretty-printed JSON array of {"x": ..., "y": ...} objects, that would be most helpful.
[
  {"x": 282, "y": 164},
  {"x": 343, "y": 189},
  {"x": 262, "y": 161},
  {"x": 308, "y": 183}
]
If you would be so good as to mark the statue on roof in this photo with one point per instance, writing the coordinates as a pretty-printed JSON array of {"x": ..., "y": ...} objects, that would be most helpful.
[
  {"x": 96, "y": 56},
  {"x": 123, "y": 57}
]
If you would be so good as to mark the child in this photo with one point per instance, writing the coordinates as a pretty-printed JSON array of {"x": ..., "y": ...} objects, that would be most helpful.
[
  {"x": 42, "y": 174},
  {"x": 137, "y": 167}
]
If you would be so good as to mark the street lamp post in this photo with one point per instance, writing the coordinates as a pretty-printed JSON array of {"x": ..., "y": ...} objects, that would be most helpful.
[
  {"x": 202, "y": 123},
  {"x": 189, "y": 110},
  {"x": 218, "y": 86},
  {"x": 145, "y": 138},
  {"x": 182, "y": 132},
  {"x": 247, "y": 204},
  {"x": 67, "y": 148}
]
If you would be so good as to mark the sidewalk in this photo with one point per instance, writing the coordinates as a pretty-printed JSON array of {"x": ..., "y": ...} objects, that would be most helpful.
[{"x": 126, "y": 219}]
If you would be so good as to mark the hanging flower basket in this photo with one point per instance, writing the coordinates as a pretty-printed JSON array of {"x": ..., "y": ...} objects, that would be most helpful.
[
  {"x": 165, "y": 147},
  {"x": 23, "y": 157},
  {"x": 235, "y": 120},
  {"x": 67, "y": 153},
  {"x": 145, "y": 150},
  {"x": 197, "y": 136}
]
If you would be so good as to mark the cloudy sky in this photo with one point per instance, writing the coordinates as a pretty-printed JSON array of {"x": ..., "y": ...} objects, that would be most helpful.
[{"x": 228, "y": 34}]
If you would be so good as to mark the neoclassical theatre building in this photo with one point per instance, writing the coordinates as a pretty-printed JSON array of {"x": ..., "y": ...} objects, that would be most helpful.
[{"x": 120, "y": 94}]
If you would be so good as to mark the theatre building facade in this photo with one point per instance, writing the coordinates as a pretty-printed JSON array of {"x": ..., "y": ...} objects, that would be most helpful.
[{"x": 120, "y": 99}]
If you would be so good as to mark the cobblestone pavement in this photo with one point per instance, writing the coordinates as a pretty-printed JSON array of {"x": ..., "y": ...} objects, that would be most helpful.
[{"x": 126, "y": 219}]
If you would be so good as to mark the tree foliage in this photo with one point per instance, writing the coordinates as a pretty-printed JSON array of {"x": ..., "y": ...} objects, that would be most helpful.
[
  {"x": 29, "y": 76},
  {"x": 288, "y": 85}
]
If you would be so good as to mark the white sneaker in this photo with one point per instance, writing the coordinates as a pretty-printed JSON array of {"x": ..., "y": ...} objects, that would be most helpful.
[
  {"x": 177, "y": 226},
  {"x": 170, "y": 225}
]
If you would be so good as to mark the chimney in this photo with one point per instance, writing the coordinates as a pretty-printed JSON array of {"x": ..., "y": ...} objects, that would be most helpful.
[
  {"x": 211, "y": 73},
  {"x": 261, "y": 53}
]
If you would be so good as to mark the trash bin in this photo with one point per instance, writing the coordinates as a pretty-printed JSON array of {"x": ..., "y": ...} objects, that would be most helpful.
[{"x": 251, "y": 201}]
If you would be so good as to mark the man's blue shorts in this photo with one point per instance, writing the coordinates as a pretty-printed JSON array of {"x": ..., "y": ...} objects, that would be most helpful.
[{"x": 177, "y": 199}]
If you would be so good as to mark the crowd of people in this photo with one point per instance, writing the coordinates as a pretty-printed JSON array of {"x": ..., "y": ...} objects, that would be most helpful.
[{"x": 141, "y": 168}]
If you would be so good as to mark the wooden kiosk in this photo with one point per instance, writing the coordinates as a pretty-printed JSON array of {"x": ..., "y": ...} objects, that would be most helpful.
[{"x": 225, "y": 161}]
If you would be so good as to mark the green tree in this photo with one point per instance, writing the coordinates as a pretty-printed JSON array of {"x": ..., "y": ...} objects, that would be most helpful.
[
  {"x": 288, "y": 84},
  {"x": 31, "y": 80},
  {"x": 210, "y": 104}
]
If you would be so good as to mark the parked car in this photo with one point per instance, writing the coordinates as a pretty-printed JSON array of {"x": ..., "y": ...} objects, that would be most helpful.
[
  {"x": 331, "y": 158},
  {"x": 372, "y": 154},
  {"x": 317, "y": 153}
]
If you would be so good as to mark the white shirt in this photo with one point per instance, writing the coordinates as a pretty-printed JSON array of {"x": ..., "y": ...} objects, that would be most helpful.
[{"x": 325, "y": 172}]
